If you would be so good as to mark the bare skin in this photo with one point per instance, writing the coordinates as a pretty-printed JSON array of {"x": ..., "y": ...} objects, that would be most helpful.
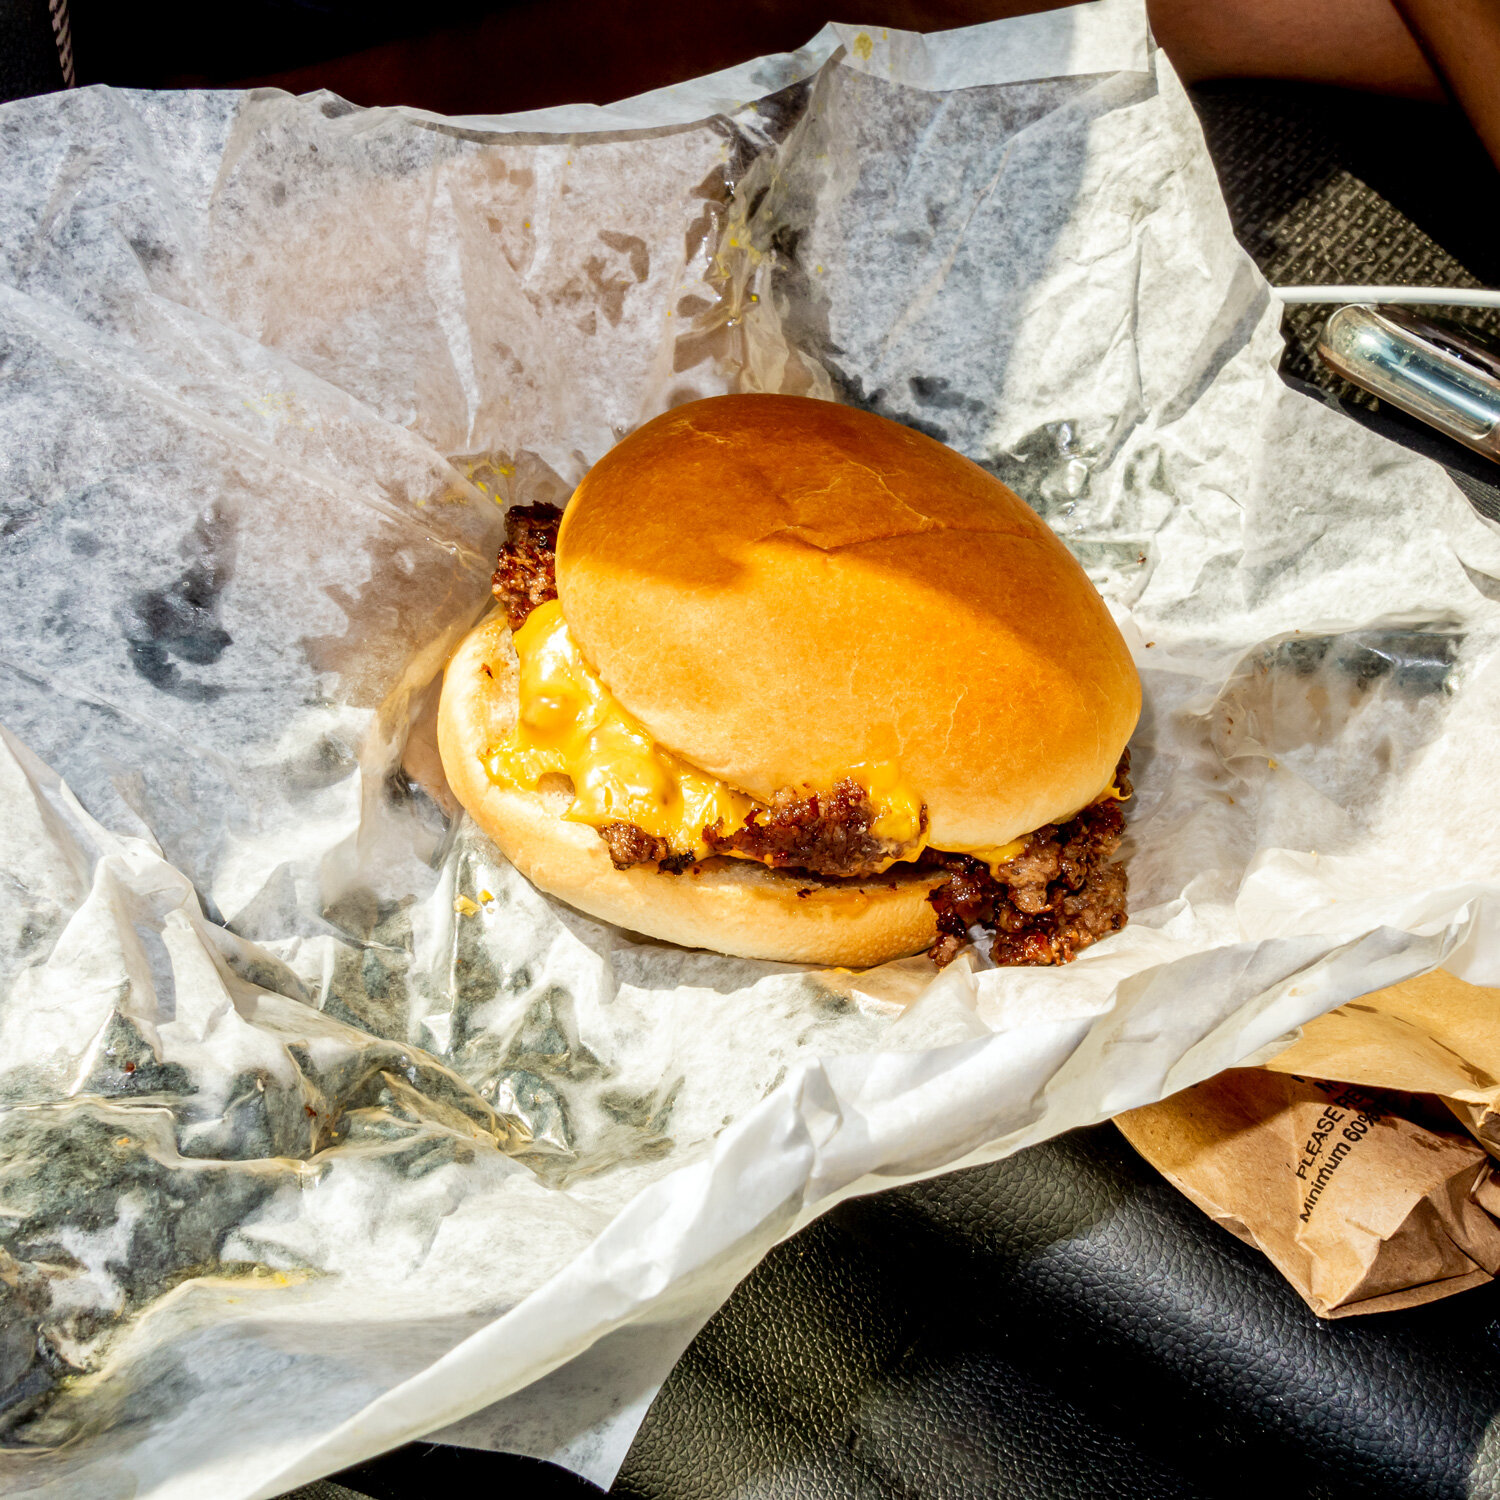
[
  {"x": 1423, "y": 49},
  {"x": 1461, "y": 39},
  {"x": 529, "y": 55},
  {"x": 1364, "y": 44}
]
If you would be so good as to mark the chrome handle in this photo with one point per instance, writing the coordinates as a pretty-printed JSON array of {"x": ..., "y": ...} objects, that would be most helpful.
[{"x": 1431, "y": 370}]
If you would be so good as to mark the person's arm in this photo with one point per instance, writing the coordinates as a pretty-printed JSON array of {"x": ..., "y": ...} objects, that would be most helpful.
[
  {"x": 1420, "y": 48},
  {"x": 1360, "y": 44},
  {"x": 1462, "y": 41}
]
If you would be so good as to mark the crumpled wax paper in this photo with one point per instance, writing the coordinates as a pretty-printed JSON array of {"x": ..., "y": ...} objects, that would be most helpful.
[{"x": 322, "y": 1130}]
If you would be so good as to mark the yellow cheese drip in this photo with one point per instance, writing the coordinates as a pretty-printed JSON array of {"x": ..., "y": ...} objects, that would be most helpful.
[
  {"x": 996, "y": 854},
  {"x": 898, "y": 809},
  {"x": 571, "y": 725}
]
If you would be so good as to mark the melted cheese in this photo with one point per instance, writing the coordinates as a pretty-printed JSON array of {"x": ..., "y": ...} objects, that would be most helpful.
[
  {"x": 996, "y": 854},
  {"x": 898, "y": 809},
  {"x": 571, "y": 725}
]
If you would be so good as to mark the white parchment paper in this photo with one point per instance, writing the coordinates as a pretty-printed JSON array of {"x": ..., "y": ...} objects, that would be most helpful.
[{"x": 320, "y": 1129}]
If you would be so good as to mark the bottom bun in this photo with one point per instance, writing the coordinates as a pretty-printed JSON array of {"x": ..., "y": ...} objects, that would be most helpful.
[{"x": 727, "y": 905}]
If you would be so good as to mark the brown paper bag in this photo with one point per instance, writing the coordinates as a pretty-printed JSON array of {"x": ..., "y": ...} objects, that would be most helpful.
[
  {"x": 1363, "y": 1201},
  {"x": 1430, "y": 1035}
]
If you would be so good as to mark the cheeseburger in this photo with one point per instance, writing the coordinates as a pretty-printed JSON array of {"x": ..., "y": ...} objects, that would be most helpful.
[{"x": 790, "y": 681}]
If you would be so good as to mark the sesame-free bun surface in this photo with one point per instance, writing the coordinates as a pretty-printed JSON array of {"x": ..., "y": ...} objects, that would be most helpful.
[
  {"x": 730, "y": 906},
  {"x": 783, "y": 590}
]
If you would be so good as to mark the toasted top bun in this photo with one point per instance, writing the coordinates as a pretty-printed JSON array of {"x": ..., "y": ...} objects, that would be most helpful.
[
  {"x": 729, "y": 905},
  {"x": 783, "y": 590}
]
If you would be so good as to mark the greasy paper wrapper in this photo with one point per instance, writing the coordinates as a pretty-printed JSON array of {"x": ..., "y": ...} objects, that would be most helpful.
[
  {"x": 1366, "y": 1202},
  {"x": 321, "y": 1129}
]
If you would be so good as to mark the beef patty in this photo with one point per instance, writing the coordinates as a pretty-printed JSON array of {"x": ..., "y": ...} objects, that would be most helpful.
[{"x": 526, "y": 570}]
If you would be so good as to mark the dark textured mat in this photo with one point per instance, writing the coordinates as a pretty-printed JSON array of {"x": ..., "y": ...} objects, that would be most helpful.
[
  {"x": 1317, "y": 181},
  {"x": 1324, "y": 187},
  {"x": 1327, "y": 187}
]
